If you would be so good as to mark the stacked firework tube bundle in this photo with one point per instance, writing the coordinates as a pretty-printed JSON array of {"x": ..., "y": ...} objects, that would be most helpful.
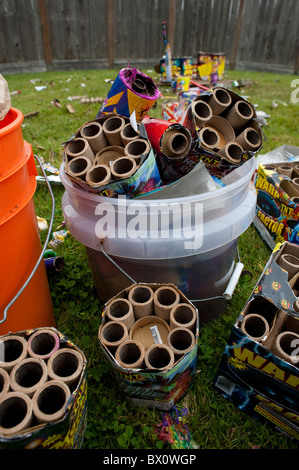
[
  {"x": 42, "y": 390},
  {"x": 151, "y": 331},
  {"x": 224, "y": 129},
  {"x": 277, "y": 210},
  {"x": 259, "y": 369},
  {"x": 106, "y": 154}
]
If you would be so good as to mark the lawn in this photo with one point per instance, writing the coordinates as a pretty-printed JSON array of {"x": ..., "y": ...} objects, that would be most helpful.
[{"x": 113, "y": 424}]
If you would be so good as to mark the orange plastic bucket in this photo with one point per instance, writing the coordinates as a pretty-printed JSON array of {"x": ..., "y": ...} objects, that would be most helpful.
[
  {"x": 20, "y": 241},
  {"x": 11, "y": 140}
]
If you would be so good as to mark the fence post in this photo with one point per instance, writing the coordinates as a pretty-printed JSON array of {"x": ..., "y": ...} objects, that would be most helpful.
[
  {"x": 236, "y": 38},
  {"x": 43, "y": 14},
  {"x": 171, "y": 23},
  {"x": 110, "y": 32}
]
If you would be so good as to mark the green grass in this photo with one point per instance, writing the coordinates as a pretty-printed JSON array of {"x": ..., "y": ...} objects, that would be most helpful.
[{"x": 214, "y": 422}]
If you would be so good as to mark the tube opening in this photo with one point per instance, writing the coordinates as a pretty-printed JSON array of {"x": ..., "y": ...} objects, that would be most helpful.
[
  {"x": 97, "y": 174},
  {"x": 77, "y": 146},
  {"x": 28, "y": 374},
  {"x": 12, "y": 412},
  {"x": 179, "y": 143},
  {"x": 183, "y": 314},
  {"x": 2, "y": 381},
  {"x": 12, "y": 350},
  {"x": 210, "y": 137},
  {"x": 129, "y": 353},
  {"x": 141, "y": 295},
  {"x": 286, "y": 343},
  {"x": 128, "y": 131},
  {"x": 119, "y": 309},
  {"x": 113, "y": 124},
  {"x": 222, "y": 96},
  {"x": 255, "y": 327},
  {"x": 65, "y": 364},
  {"x": 137, "y": 148},
  {"x": 113, "y": 333},
  {"x": 180, "y": 340},
  {"x": 244, "y": 109},
  {"x": 43, "y": 344},
  {"x": 201, "y": 109},
  {"x": 122, "y": 166},
  {"x": 139, "y": 85},
  {"x": 158, "y": 358},
  {"x": 235, "y": 152},
  {"x": 78, "y": 166},
  {"x": 91, "y": 130},
  {"x": 253, "y": 137},
  {"x": 166, "y": 297},
  {"x": 51, "y": 399}
]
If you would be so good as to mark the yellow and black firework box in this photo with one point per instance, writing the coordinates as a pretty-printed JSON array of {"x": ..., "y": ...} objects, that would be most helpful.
[
  {"x": 65, "y": 432},
  {"x": 277, "y": 209},
  {"x": 259, "y": 368}
]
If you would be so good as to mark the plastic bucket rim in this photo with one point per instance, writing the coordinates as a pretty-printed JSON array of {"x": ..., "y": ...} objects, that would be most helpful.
[{"x": 14, "y": 124}]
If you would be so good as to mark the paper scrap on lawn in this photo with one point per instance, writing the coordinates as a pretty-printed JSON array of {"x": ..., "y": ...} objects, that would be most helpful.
[
  {"x": 149, "y": 335},
  {"x": 259, "y": 368}
]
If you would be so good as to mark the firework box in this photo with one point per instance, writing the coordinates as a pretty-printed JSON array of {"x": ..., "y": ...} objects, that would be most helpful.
[
  {"x": 250, "y": 374},
  {"x": 153, "y": 388},
  {"x": 68, "y": 432},
  {"x": 210, "y": 67},
  {"x": 277, "y": 210}
]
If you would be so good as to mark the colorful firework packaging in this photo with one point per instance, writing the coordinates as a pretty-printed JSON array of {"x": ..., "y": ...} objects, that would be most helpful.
[
  {"x": 259, "y": 367},
  {"x": 277, "y": 210},
  {"x": 149, "y": 335}
]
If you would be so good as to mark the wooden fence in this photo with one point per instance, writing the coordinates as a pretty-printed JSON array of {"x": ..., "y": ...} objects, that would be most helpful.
[{"x": 38, "y": 35}]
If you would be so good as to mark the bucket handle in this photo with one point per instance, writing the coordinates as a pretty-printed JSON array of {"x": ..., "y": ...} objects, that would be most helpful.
[
  {"x": 44, "y": 247},
  {"x": 228, "y": 291}
]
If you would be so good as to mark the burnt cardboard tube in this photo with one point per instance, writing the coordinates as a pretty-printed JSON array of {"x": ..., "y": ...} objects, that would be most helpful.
[
  {"x": 159, "y": 356},
  {"x": 232, "y": 152},
  {"x": 28, "y": 375},
  {"x": 249, "y": 139},
  {"x": 175, "y": 144},
  {"x": 286, "y": 347},
  {"x": 255, "y": 326},
  {"x": 289, "y": 263},
  {"x": 165, "y": 297},
  {"x": 209, "y": 138},
  {"x": 239, "y": 114},
  {"x": 142, "y": 300},
  {"x": 219, "y": 100},
  {"x": 183, "y": 315},
  {"x": 15, "y": 413},
  {"x": 285, "y": 169},
  {"x": 49, "y": 402},
  {"x": 295, "y": 183},
  {"x": 130, "y": 355},
  {"x": 78, "y": 167},
  {"x": 123, "y": 168},
  {"x": 43, "y": 343},
  {"x": 112, "y": 128},
  {"x": 77, "y": 148},
  {"x": 112, "y": 334},
  {"x": 93, "y": 133},
  {"x": 136, "y": 148},
  {"x": 128, "y": 134},
  {"x": 223, "y": 128},
  {"x": 13, "y": 349},
  {"x": 4, "y": 382},
  {"x": 65, "y": 365},
  {"x": 98, "y": 175},
  {"x": 181, "y": 341},
  {"x": 121, "y": 310},
  {"x": 201, "y": 111}
]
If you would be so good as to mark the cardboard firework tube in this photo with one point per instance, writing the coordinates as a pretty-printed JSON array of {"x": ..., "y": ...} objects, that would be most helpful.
[
  {"x": 128, "y": 134},
  {"x": 165, "y": 297},
  {"x": 93, "y": 133},
  {"x": 289, "y": 263},
  {"x": 142, "y": 301},
  {"x": 43, "y": 343},
  {"x": 181, "y": 341},
  {"x": 28, "y": 375},
  {"x": 13, "y": 349},
  {"x": 109, "y": 155},
  {"x": 4, "y": 382},
  {"x": 123, "y": 168},
  {"x": 112, "y": 334},
  {"x": 78, "y": 147},
  {"x": 159, "y": 356},
  {"x": 78, "y": 167},
  {"x": 121, "y": 310},
  {"x": 130, "y": 355},
  {"x": 295, "y": 183},
  {"x": 285, "y": 169},
  {"x": 231, "y": 152},
  {"x": 223, "y": 128},
  {"x": 54, "y": 264},
  {"x": 183, "y": 315},
  {"x": 285, "y": 347},
  {"x": 176, "y": 143},
  {"x": 209, "y": 138},
  {"x": 49, "y": 402},
  {"x": 65, "y": 365},
  {"x": 239, "y": 114},
  {"x": 150, "y": 330},
  {"x": 249, "y": 139},
  {"x": 15, "y": 413},
  {"x": 295, "y": 199},
  {"x": 136, "y": 148},
  {"x": 255, "y": 326},
  {"x": 98, "y": 175},
  {"x": 112, "y": 128},
  {"x": 201, "y": 111},
  {"x": 219, "y": 100}
]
